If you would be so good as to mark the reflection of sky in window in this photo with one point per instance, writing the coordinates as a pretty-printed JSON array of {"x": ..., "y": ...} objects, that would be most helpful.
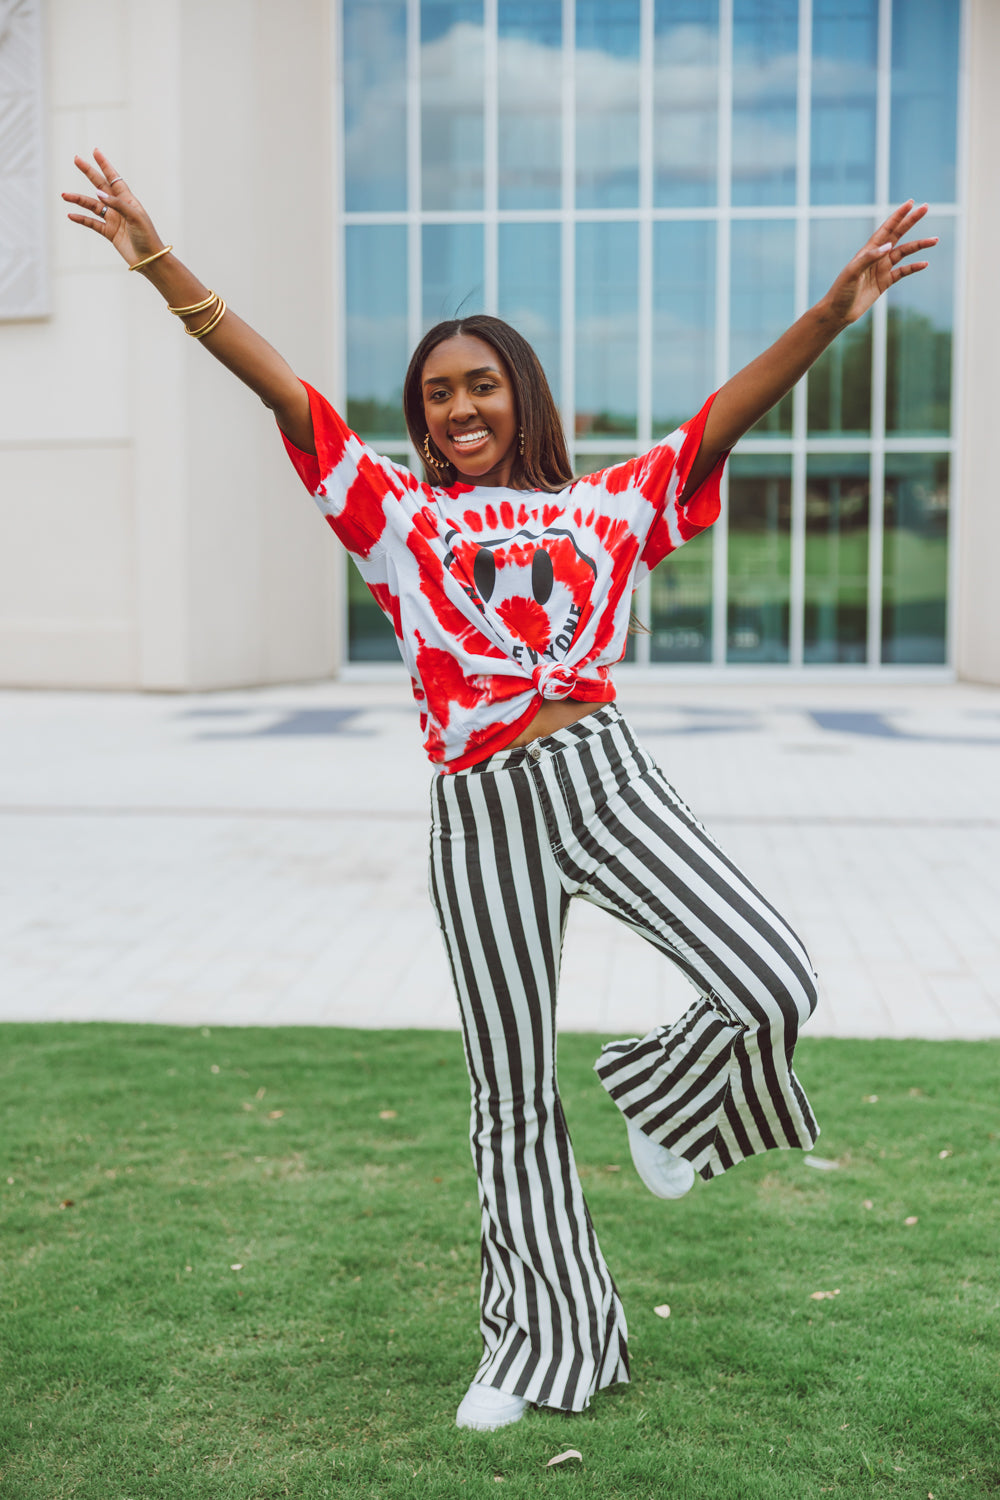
[
  {"x": 606, "y": 327},
  {"x": 765, "y": 81},
  {"x": 451, "y": 68},
  {"x": 529, "y": 148},
  {"x": 375, "y": 104},
  {"x": 377, "y": 351},
  {"x": 607, "y": 103},
  {"x": 845, "y": 54},
  {"x": 453, "y": 271},
  {"x": 685, "y": 102},
  {"x": 683, "y": 321},
  {"x": 924, "y": 105},
  {"x": 529, "y": 289},
  {"x": 763, "y": 278}
]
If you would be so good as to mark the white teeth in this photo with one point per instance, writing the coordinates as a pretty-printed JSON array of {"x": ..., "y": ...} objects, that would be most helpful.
[{"x": 462, "y": 438}]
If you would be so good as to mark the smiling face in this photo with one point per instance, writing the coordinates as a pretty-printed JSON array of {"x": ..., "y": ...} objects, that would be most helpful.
[{"x": 470, "y": 410}]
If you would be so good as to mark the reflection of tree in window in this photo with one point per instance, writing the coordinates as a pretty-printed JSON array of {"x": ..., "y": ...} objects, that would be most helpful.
[
  {"x": 915, "y": 558},
  {"x": 836, "y": 560},
  {"x": 918, "y": 374},
  {"x": 840, "y": 384},
  {"x": 760, "y": 503}
]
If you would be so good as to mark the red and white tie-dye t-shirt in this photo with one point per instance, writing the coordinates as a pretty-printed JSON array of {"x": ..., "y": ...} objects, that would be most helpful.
[{"x": 503, "y": 598}]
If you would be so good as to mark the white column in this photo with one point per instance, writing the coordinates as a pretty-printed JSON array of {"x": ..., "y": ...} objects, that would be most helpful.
[{"x": 978, "y": 531}]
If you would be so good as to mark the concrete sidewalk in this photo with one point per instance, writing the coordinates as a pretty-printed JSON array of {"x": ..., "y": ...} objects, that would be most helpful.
[{"x": 259, "y": 857}]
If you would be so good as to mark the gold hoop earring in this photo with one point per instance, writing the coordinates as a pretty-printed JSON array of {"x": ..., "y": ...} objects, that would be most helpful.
[
  {"x": 435, "y": 463},
  {"x": 520, "y": 441}
]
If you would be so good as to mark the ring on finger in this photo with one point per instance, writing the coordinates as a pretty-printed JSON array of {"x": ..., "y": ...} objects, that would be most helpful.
[
  {"x": 119, "y": 178},
  {"x": 104, "y": 213}
]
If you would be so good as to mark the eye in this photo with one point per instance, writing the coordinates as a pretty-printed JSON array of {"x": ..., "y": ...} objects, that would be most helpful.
[
  {"x": 484, "y": 387},
  {"x": 542, "y": 577},
  {"x": 484, "y": 573}
]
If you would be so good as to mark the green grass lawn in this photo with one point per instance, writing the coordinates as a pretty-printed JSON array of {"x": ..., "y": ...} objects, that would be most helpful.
[{"x": 244, "y": 1264}]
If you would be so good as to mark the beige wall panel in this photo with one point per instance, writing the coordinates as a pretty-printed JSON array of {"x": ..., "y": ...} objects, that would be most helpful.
[
  {"x": 69, "y": 619},
  {"x": 87, "y": 47},
  {"x": 979, "y": 537},
  {"x": 66, "y": 377},
  {"x": 261, "y": 585}
]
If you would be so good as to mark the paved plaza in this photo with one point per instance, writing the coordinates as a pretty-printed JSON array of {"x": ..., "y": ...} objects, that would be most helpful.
[{"x": 259, "y": 857}]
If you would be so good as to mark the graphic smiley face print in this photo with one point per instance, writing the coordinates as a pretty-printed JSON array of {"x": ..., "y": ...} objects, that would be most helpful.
[{"x": 538, "y": 587}]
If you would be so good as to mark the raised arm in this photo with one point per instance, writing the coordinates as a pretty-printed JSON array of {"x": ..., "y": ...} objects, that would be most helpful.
[
  {"x": 751, "y": 392},
  {"x": 116, "y": 214}
]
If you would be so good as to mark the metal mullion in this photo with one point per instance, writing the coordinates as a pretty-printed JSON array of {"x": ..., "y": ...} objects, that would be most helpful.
[
  {"x": 628, "y": 215},
  {"x": 567, "y": 309},
  {"x": 955, "y": 466},
  {"x": 879, "y": 315},
  {"x": 723, "y": 246},
  {"x": 644, "y": 342},
  {"x": 491, "y": 146},
  {"x": 414, "y": 259},
  {"x": 797, "y": 539}
]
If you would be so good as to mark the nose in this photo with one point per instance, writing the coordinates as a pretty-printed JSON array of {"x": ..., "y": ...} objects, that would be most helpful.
[{"x": 463, "y": 408}]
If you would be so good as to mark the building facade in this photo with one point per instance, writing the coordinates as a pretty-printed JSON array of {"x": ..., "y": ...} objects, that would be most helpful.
[{"x": 651, "y": 190}]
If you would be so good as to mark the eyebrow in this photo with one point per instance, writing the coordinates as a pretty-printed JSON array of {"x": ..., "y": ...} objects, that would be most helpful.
[{"x": 469, "y": 375}]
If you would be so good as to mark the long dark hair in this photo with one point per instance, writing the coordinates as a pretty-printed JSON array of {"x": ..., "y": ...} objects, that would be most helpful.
[{"x": 544, "y": 463}]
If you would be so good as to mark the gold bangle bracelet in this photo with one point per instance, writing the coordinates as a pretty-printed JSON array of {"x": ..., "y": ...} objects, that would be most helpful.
[
  {"x": 213, "y": 322},
  {"x": 196, "y": 307},
  {"x": 150, "y": 258}
]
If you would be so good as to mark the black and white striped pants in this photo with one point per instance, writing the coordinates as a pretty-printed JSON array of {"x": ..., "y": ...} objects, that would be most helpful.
[{"x": 586, "y": 812}]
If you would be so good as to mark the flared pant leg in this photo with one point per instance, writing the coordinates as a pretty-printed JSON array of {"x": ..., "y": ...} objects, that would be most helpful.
[
  {"x": 716, "y": 1086},
  {"x": 552, "y": 1323}
]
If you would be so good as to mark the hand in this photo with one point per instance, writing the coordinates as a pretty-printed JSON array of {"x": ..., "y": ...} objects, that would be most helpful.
[
  {"x": 878, "y": 265},
  {"x": 115, "y": 213}
]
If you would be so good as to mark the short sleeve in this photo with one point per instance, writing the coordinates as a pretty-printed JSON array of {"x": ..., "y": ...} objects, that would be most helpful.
[
  {"x": 662, "y": 474},
  {"x": 352, "y": 485}
]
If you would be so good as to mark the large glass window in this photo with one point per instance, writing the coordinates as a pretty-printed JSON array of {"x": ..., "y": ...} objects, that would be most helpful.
[
  {"x": 652, "y": 191},
  {"x": 844, "y": 101},
  {"x": 918, "y": 373},
  {"x": 680, "y": 604},
  {"x": 529, "y": 289},
  {"x": 915, "y": 558},
  {"x": 765, "y": 100},
  {"x": 377, "y": 351},
  {"x": 760, "y": 509},
  {"x": 763, "y": 298},
  {"x": 374, "y": 104},
  {"x": 922, "y": 161},
  {"x": 839, "y": 385},
  {"x": 453, "y": 271},
  {"x": 686, "y": 102},
  {"x": 836, "y": 568},
  {"x": 606, "y": 329},
  {"x": 529, "y": 129},
  {"x": 451, "y": 94},
  {"x": 607, "y": 103},
  {"x": 683, "y": 320}
]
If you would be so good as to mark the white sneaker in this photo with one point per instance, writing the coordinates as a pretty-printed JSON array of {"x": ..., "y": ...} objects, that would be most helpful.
[
  {"x": 666, "y": 1175},
  {"x": 486, "y": 1409}
]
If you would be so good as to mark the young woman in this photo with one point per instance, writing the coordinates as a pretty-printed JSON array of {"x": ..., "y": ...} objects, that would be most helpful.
[{"x": 509, "y": 585}]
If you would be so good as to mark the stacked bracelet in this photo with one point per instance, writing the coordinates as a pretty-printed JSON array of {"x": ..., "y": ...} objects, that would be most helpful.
[
  {"x": 196, "y": 307},
  {"x": 213, "y": 322}
]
